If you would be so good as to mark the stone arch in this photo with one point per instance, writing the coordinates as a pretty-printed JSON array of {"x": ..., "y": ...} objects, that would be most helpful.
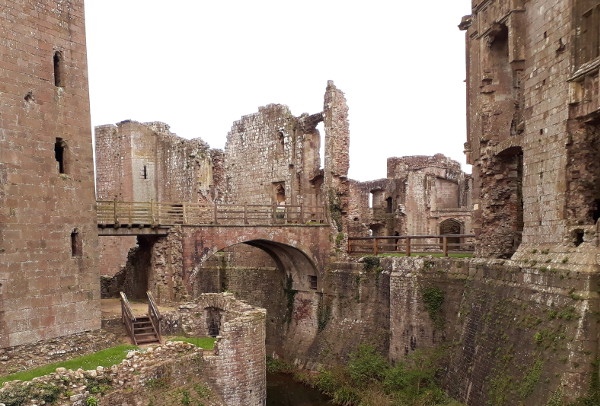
[
  {"x": 285, "y": 282},
  {"x": 293, "y": 261},
  {"x": 449, "y": 227}
]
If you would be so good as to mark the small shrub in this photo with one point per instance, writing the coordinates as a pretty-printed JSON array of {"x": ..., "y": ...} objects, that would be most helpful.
[
  {"x": 277, "y": 366},
  {"x": 91, "y": 401},
  {"x": 366, "y": 365}
]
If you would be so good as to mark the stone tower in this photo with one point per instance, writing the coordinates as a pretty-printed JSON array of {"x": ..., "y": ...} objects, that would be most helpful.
[
  {"x": 49, "y": 285},
  {"x": 533, "y": 127}
]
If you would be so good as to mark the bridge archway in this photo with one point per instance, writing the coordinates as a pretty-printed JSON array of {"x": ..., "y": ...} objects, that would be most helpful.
[
  {"x": 272, "y": 275},
  {"x": 301, "y": 270}
]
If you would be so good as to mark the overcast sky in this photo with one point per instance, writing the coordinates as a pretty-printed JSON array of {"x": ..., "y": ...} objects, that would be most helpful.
[{"x": 201, "y": 65}]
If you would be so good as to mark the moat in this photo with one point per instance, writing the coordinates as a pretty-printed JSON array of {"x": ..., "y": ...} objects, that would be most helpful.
[{"x": 282, "y": 390}]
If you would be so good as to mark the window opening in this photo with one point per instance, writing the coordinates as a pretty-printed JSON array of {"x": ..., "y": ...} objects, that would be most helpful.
[
  {"x": 577, "y": 237},
  {"x": 313, "y": 281},
  {"x": 145, "y": 172},
  {"x": 389, "y": 204},
  {"x": 213, "y": 321},
  {"x": 76, "y": 246},
  {"x": 60, "y": 155},
  {"x": 58, "y": 68},
  {"x": 280, "y": 193}
]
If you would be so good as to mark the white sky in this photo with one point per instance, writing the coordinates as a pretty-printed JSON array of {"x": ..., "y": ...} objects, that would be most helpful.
[{"x": 200, "y": 65}]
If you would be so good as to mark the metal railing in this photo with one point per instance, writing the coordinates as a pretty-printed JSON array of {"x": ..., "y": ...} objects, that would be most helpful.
[
  {"x": 127, "y": 316},
  {"x": 154, "y": 315},
  {"x": 413, "y": 244},
  {"x": 168, "y": 214}
]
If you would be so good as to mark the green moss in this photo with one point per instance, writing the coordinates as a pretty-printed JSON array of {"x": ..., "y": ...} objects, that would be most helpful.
[
  {"x": 433, "y": 298},
  {"x": 278, "y": 366}
]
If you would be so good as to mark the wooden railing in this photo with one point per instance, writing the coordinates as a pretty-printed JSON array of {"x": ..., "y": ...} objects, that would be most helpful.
[
  {"x": 168, "y": 214},
  {"x": 127, "y": 315},
  {"x": 154, "y": 315},
  {"x": 413, "y": 244}
]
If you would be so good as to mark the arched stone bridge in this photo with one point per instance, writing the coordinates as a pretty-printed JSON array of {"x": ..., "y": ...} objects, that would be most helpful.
[{"x": 181, "y": 237}]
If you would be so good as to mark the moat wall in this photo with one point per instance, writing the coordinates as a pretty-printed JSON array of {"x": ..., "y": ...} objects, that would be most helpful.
[
  {"x": 513, "y": 333},
  {"x": 510, "y": 333}
]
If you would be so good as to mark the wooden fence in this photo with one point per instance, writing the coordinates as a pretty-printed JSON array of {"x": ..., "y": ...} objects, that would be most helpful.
[
  {"x": 413, "y": 244},
  {"x": 168, "y": 214}
]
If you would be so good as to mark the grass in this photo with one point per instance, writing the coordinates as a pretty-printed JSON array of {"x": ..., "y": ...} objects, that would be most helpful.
[
  {"x": 106, "y": 358},
  {"x": 207, "y": 343}
]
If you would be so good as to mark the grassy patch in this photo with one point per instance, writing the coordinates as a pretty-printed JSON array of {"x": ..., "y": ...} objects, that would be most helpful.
[
  {"x": 207, "y": 343},
  {"x": 105, "y": 358}
]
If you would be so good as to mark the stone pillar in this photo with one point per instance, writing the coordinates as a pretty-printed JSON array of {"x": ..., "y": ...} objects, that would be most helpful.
[{"x": 337, "y": 161}]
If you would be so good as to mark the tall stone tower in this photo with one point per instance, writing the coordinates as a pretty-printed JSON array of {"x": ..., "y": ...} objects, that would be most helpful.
[
  {"x": 533, "y": 127},
  {"x": 49, "y": 285}
]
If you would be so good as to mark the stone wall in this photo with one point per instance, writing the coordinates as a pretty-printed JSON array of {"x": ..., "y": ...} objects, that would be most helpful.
[
  {"x": 238, "y": 366},
  {"x": 282, "y": 154},
  {"x": 140, "y": 162},
  {"x": 29, "y": 356},
  {"x": 419, "y": 196},
  {"x": 235, "y": 371},
  {"x": 511, "y": 333},
  {"x": 174, "y": 373},
  {"x": 532, "y": 93},
  {"x": 49, "y": 283},
  {"x": 146, "y": 161},
  {"x": 315, "y": 325}
]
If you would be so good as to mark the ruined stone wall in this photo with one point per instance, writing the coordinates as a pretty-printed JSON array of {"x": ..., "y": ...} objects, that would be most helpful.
[
  {"x": 375, "y": 207},
  {"x": 159, "y": 375},
  {"x": 113, "y": 253},
  {"x": 145, "y": 161},
  {"x": 419, "y": 194},
  {"x": 512, "y": 333},
  {"x": 49, "y": 283},
  {"x": 272, "y": 157},
  {"x": 337, "y": 156},
  {"x": 528, "y": 74},
  {"x": 239, "y": 362},
  {"x": 29, "y": 356}
]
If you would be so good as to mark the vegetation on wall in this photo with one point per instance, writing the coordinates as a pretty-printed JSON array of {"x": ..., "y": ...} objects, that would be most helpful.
[
  {"x": 290, "y": 295},
  {"x": 433, "y": 299},
  {"x": 368, "y": 379},
  {"x": 323, "y": 314},
  {"x": 335, "y": 210}
]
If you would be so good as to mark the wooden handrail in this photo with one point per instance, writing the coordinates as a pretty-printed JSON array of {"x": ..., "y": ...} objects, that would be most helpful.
[
  {"x": 154, "y": 315},
  {"x": 412, "y": 244},
  {"x": 152, "y": 213},
  {"x": 127, "y": 316}
]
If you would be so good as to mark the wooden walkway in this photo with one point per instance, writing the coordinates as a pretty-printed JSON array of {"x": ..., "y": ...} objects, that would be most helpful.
[{"x": 153, "y": 214}]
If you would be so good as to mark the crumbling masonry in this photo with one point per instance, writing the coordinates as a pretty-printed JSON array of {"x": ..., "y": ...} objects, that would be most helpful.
[{"x": 532, "y": 72}]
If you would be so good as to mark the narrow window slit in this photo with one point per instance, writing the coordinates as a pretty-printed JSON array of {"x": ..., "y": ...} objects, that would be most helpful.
[{"x": 58, "y": 69}]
